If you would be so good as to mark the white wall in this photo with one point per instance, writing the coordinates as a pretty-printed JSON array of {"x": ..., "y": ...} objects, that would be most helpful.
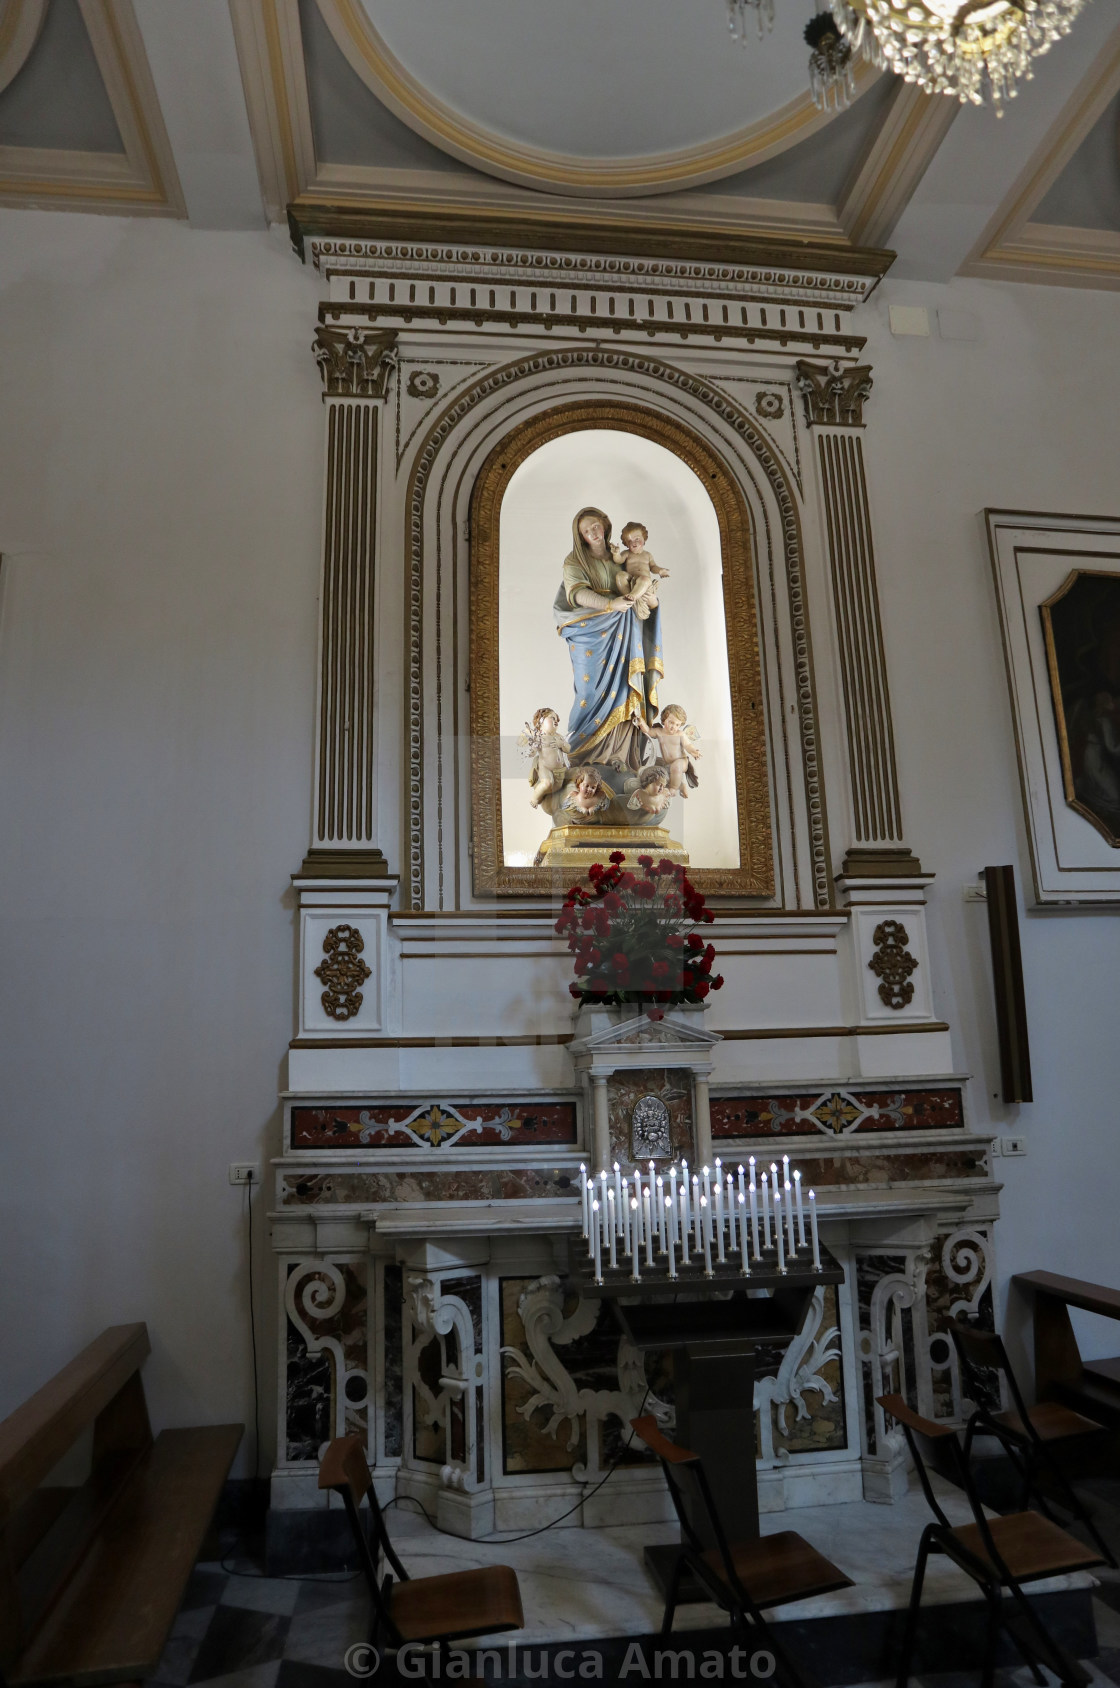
[
  {"x": 1021, "y": 417},
  {"x": 160, "y": 443},
  {"x": 160, "y": 478}
]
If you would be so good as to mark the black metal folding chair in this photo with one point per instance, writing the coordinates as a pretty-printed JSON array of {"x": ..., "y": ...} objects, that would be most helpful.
[
  {"x": 997, "y": 1553},
  {"x": 1031, "y": 1437},
  {"x": 743, "y": 1577}
]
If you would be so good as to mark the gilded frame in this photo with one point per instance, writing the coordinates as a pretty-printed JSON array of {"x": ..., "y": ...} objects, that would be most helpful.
[
  {"x": 1056, "y": 693},
  {"x": 754, "y": 876}
]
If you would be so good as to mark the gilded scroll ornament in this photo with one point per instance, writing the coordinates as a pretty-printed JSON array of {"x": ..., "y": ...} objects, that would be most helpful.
[
  {"x": 892, "y": 963},
  {"x": 355, "y": 362},
  {"x": 342, "y": 972},
  {"x": 834, "y": 394}
]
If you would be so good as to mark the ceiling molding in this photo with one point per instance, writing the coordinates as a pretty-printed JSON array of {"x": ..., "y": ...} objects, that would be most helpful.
[
  {"x": 274, "y": 77},
  {"x": 434, "y": 193},
  {"x": 20, "y": 23},
  {"x": 1012, "y": 248},
  {"x": 554, "y": 172},
  {"x": 898, "y": 156},
  {"x": 142, "y": 180}
]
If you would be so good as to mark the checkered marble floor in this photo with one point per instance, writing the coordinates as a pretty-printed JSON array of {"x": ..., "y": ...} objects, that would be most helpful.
[{"x": 240, "y": 1629}]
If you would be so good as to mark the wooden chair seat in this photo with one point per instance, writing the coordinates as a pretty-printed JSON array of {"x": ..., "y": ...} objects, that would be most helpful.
[
  {"x": 779, "y": 1568},
  {"x": 1030, "y": 1546},
  {"x": 460, "y": 1603},
  {"x": 1049, "y": 1421}
]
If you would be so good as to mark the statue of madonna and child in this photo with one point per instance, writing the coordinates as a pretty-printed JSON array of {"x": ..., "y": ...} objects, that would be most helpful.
[{"x": 622, "y": 758}]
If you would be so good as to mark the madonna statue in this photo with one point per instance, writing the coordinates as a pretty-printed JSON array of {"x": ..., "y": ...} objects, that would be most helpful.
[{"x": 616, "y": 657}]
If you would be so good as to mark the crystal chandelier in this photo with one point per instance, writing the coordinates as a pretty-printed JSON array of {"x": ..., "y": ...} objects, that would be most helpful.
[
  {"x": 964, "y": 48},
  {"x": 957, "y": 47}
]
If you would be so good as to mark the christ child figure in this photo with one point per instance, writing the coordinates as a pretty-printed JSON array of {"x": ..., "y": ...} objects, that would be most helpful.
[
  {"x": 652, "y": 794},
  {"x": 677, "y": 746},
  {"x": 544, "y": 743},
  {"x": 637, "y": 578},
  {"x": 589, "y": 793}
]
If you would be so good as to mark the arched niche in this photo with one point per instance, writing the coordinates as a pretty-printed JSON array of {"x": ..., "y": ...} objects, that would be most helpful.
[{"x": 525, "y": 497}]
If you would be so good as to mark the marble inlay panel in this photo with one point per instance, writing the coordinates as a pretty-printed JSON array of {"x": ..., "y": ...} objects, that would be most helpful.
[
  {"x": 672, "y": 1085},
  {"x": 331, "y": 1304},
  {"x": 434, "y": 1125},
  {"x": 828, "y": 1171},
  {"x": 307, "y": 1407},
  {"x": 837, "y": 1111},
  {"x": 348, "y": 1188}
]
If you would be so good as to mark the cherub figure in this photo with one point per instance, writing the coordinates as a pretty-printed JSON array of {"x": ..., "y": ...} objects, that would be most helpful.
[
  {"x": 677, "y": 746},
  {"x": 652, "y": 792},
  {"x": 548, "y": 749},
  {"x": 589, "y": 793},
  {"x": 638, "y": 576}
]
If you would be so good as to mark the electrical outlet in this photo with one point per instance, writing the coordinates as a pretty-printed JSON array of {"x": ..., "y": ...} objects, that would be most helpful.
[
  {"x": 1012, "y": 1145},
  {"x": 244, "y": 1172}
]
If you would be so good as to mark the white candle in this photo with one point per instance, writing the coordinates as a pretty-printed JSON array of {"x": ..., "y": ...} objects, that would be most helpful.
[
  {"x": 627, "y": 1237},
  {"x": 611, "y": 1228},
  {"x": 636, "y": 1252},
  {"x": 751, "y": 1163},
  {"x": 816, "y": 1238},
  {"x": 672, "y": 1256},
  {"x": 778, "y": 1230},
  {"x": 662, "y": 1200},
  {"x": 787, "y": 1200},
  {"x": 686, "y": 1218},
  {"x": 765, "y": 1213},
  {"x": 754, "y": 1214},
  {"x": 697, "y": 1219},
  {"x": 743, "y": 1236},
  {"x": 706, "y": 1189},
  {"x": 595, "y": 1234},
  {"x": 785, "y": 1174},
  {"x": 647, "y": 1226},
  {"x": 719, "y": 1217},
  {"x": 673, "y": 1215},
  {"x": 618, "y": 1195},
  {"x": 583, "y": 1195},
  {"x": 707, "y": 1237},
  {"x": 638, "y": 1204},
  {"x": 731, "y": 1244},
  {"x": 800, "y": 1209}
]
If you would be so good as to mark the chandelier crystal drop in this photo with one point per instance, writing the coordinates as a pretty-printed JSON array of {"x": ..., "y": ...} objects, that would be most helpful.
[
  {"x": 963, "y": 48},
  {"x": 739, "y": 12},
  {"x": 831, "y": 80}
]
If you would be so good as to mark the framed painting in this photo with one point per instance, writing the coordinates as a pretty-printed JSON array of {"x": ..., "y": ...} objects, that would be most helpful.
[
  {"x": 1057, "y": 583},
  {"x": 616, "y": 689}
]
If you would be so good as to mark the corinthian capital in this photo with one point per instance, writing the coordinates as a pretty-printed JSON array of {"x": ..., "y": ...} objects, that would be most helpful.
[
  {"x": 834, "y": 394},
  {"x": 356, "y": 362}
]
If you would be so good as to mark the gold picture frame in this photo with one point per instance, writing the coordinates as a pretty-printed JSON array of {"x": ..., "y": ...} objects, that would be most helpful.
[{"x": 754, "y": 876}]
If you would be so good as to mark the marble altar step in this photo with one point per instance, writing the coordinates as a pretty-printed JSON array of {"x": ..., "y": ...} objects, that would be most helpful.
[{"x": 592, "y": 1585}]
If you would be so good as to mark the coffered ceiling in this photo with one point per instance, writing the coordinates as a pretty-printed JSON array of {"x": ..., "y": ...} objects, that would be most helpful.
[{"x": 638, "y": 112}]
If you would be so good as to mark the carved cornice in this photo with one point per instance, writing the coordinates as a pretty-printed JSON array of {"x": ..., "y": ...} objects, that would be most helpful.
[
  {"x": 541, "y": 248},
  {"x": 834, "y": 395},
  {"x": 355, "y": 362}
]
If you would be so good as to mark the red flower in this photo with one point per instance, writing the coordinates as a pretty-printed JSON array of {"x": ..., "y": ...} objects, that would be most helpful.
[
  {"x": 674, "y": 941},
  {"x": 595, "y": 957},
  {"x": 646, "y": 862},
  {"x": 612, "y": 901},
  {"x": 666, "y": 866},
  {"x": 709, "y": 916},
  {"x": 574, "y": 990},
  {"x": 628, "y": 882},
  {"x": 617, "y": 856},
  {"x": 702, "y": 989},
  {"x": 717, "y": 982},
  {"x": 655, "y": 1013},
  {"x": 620, "y": 962},
  {"x": 695, "y": 941},
  {"x": 688, "y": 980},
  {"x": 660, "y": 969}
]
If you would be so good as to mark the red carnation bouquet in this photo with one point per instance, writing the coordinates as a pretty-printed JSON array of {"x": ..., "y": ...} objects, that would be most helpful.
[{"x": 634, "y": 937}]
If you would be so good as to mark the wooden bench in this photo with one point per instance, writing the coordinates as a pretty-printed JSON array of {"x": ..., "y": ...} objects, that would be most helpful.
[
  {"x": 1091, "y": 1387},
  {"x": 92, "y": 1572}
]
